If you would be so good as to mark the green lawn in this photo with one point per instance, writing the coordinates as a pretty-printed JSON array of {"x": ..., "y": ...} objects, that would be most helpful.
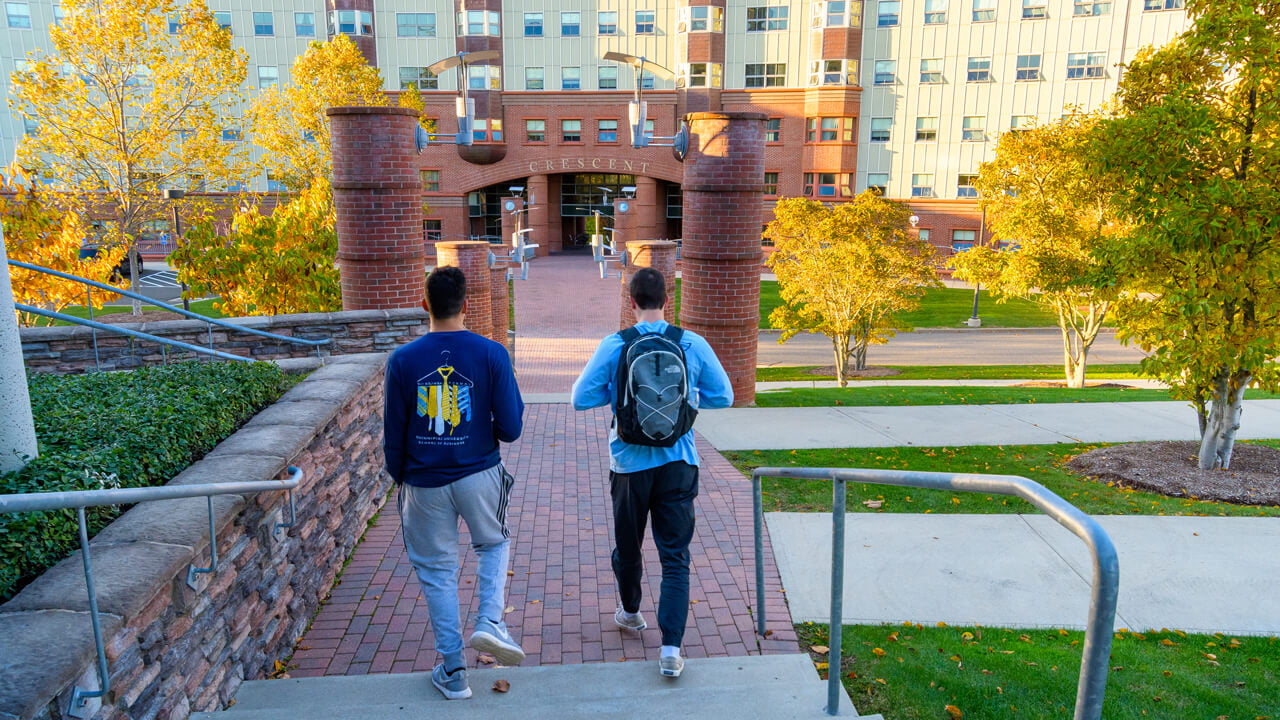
[
  {"x": 928, "y": 395},
  {"x": 959, "y": 372},
  {"x": 199, "y": 307},
  {"x": 940, "y": 307},
  {"x": 913, "y": 672},
  {"x": 1042, "y": 463}
]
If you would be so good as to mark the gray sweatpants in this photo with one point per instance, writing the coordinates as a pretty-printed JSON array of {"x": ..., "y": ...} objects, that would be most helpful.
[{"x": 429, "y": 517}]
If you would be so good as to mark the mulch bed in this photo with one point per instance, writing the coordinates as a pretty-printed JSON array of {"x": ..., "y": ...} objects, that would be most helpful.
[
  {"x": 1170, "y": 468},
  {"x": 1053, "y": 384}
]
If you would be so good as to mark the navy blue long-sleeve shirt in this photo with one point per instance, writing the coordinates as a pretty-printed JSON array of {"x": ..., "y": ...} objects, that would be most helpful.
[{"x": 450, "y": 397}]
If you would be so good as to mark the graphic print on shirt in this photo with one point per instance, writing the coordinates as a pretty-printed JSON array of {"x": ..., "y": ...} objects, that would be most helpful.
[{"x": 444, "y": 398}]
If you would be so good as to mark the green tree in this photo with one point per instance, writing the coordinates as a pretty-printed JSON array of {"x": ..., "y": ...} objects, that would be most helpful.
[
  {"x": 125, "y": 108},
  {"x": 1195, "y": 159},
  {"x": 1038, "y": 193},
  {"x": 846, "y": 271},
  {"x": 269, "y": 264}
]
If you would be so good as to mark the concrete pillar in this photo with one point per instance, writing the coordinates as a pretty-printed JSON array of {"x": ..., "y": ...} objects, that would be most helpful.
[
  {"x": 650, "y": 210},
  {"x": 539, "y": 215},
  {"x": 472, "y": 256},
  {"x": 17, "y": 428},
  {"x": 499, "y": 305},
  {"x": 721, "y": 254},
  {"x": 378, "y": 197},
  {"x": 659, "y": 255}
]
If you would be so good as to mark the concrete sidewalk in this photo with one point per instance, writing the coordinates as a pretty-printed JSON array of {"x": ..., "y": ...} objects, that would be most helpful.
[
  {"x": 932, "y": 426},
  {"x": 1196, "y": 574}
]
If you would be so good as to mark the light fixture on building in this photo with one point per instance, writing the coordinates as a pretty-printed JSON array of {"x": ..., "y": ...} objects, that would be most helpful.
[
  {"x": 516, "y": 190},
  {"x": 637, "y": 109},
  {"x": 914, "y": 220},
  {"x": 629, "y": 191},
  {"x": 464, "y": 107}
]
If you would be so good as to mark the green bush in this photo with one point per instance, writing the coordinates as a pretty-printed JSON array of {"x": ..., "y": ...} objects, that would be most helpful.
[{"x": 127, "y": 429}]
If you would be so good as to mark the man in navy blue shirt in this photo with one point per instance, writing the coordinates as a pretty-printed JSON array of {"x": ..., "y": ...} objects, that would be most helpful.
[
  {"x": 451, "y": 396},
  {"x": 653, "y": 482}
]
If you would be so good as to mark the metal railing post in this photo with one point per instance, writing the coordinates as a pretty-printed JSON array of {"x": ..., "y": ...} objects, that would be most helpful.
[
  {"x": 79, "y": 696},
  {"x": 757, "y": 502},
  {"x": 88, "y": 295},
  {"x": 837, "y": 596}
]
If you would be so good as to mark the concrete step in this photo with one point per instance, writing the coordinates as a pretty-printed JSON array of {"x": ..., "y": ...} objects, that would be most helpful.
[{"x": 771, "y": 687}]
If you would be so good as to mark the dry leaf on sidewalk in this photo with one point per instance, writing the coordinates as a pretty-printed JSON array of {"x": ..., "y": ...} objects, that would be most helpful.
[
  {"x": 873, "y": 504},
  {"x": 501, "y": 686},
  {"x": 486, "y": 659}
]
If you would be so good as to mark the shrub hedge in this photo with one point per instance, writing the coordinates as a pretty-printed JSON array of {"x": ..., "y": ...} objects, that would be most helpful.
[{"x": 126, "y": 429}]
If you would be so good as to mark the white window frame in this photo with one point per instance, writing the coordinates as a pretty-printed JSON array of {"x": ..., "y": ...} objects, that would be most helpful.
[
  {"x": 768, "y": 18},
  {"x": 541, "y": 78},
  {"x": 983, "y": 11},
  {"x": 298, "y": 25},
  {"x": 533, "y": 20},
  {"x": 489, "y": 77},
  {"x": 1090, "y": 8},
  {"x": 700, "y": 74},
  {"x": 1026, "y": 71},
  {"x": 273, "y": 75},
  {"x": 833, "y": 72},
  {"x": 422, "y": 27},
  {"x": 1035, "y": 9},
  {"x": 973, "y": 128},
  {"x": 767, "y": 75},
  {"x": 606, "y": 83},
  {"x": 18, "y": 15},
  {"x": 882, "y": 187},
  {"x": 836, "y": 13},
  {"x": 701, "y": 18},
  {"x": 565, "y": 17},
  {"x": 966, "y": 190},
  {"x": 927, "y": 71},
  {"x": 1161, "y": 5},
  {"x": 528, "y": 130},
  {"x": 978, "y": 69},
  {"x": 886, "y": 19},
  {"x": 603, "y": 27},
  {"x": 479, "y": 23},
  {"x": 935, "y": 12},
  {"x": 926, "y": 128},
  {"x": 270, "y": 26},
  {"x": 1086, "y": 66},
  {"x": 567, "y": 74},
  {"x": 885, "y": 77},
  {"x": 422, "y": 79},
  {"x": 881, "y": 125},
  {"x": 646, "y": 22},
  {"x": 922, "y": 185}
]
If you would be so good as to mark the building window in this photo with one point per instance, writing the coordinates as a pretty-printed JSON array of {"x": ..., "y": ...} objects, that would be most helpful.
[
  {"x": 878, "y": 182},
  {"x": 484, "y": 77},
  {"x": 350, "y": 22},
  {"x": 973, "y": 129},
  {"x": 304, "y": 24},
  {"x": 486, "y": 130},
  {"x": 175, "y": 23},
  {"x": 18, "y": 14},
  {"x": 418, "y": 78},
  {"x": 535, "y": 131},
  {"x": 571, "y": 131},
  {"x": 479, "y": 22},
  {"x": 833, "y": 72},
  {"x": 223, "y": 19},
  {"x": 773, "y": 130},
  {"x": 415, "y": 24},
  {"x": 922, "y": 185},
  {"x": 964, "y": 186},
  {"x": 828, "y": 184},
  {"x": 570, "y": 24},
  {"x": 962, "y": 240},
  {"x": 264, "y": 24},
  {"x": 701, "y": 18},
  {"x": 700, "y": 75},
  {"x": 58, "y": 15},
  {"x": 648, "y": 129},
  {"x": 829, "y": 129},
  {"x": 268, "y": 75},
  {"x": 1091, "y": 8},
  {"x": 232, "y": 134},
  {"x": 1028, "y": 67},
  {"x": 607, "y": 131},
  {"x": 607, "y": 77},
  {"x": 984, "y": 11},
  {"x": 837, "y": 13},
  {"x": 30, "y": 127},
  {"x": 607, "y": 22},
  {"x": 887, "y": 13},
  {"x": 766, "y": 74},
  {"x": 646, "y": 80},
  {"x": 931, "y": 71},
  {"x": 935, "y": 12},
  {"x": 432, "y": 231},
  {"x": 533, "y": 24},
  {"x": 886, "y": 72},
  {"x": 1085, "y": 66},
  {"x": 1152, "y": 5},
  {"x": 534, "y": 78},
  {"x": 430, "y": 180},
  {"x": 926, "y": 129},
  {"x": 275, "y": 184},
  {"x": 1033, "y": 9},
  {"x": 644, "y": 22},
  {"x": 768, "y": 17},
  {"x": 1021, "y": 122},
  {"x": 571, "y": 78},
  {"x": 771, "y": 184},
  {"x": 979, "y": 70},
  {"x": 881, "y": 129}
]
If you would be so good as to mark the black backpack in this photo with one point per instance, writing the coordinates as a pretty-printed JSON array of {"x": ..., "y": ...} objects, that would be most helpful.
[{"x": 651, "y": 404}]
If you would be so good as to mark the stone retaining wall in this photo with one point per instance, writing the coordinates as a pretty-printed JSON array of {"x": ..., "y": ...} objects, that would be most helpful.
[
  {"x": 171, "y": 650},
  {"x": 70, "y": 349}
]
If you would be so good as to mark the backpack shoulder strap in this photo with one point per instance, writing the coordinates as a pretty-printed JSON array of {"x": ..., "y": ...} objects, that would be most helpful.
[
  {"x": 629, "y": 335},
  {"x": 674, "y": 333}
]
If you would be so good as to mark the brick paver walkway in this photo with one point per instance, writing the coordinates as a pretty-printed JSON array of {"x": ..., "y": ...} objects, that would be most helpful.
[{"x": 561, "y": 591}]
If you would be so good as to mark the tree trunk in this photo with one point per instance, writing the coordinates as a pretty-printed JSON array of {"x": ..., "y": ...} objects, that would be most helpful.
[
  {"x": 134, "y": 272},
  {"x": 860, "y": 353},
  {"x": 1224, "y": 420},
  {"x": 840, "y": 344}
]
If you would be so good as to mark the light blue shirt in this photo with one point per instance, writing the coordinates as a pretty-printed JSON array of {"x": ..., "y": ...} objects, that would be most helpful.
[{"x": 709, "y": 389}]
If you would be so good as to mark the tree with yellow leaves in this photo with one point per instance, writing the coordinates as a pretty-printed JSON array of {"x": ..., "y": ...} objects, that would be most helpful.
[
  {"x": 125, "y": 108},
  {"x": 846, "y": 271},
  {"x": 39, "y": 233}
]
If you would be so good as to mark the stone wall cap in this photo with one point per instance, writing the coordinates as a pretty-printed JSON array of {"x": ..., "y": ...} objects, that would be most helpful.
[
  {"x": 651, "y": 243},
  {"x": 457, "y": 244},
  {"x": 726, "y": 115},
  {"x": 32, "y": 674},
  {"x": 285, "y": 441},
  {"x": 304, "y": 413},
  {"x": 172, "y": 522},
  {"x": 370, "y": 110},
  {"x": 124, "y": 577},
  {"x": 231, "y": 468}
]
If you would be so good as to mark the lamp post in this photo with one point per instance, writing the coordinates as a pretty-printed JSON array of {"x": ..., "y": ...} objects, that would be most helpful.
[
  {"x": 172, "y": 194},
  {"x": 974, "y": 320}
]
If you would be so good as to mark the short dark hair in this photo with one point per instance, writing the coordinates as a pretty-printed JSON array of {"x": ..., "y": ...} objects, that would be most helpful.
[
  {"x": 446, "y": 289},
  {"x": 648, "y": 289}
]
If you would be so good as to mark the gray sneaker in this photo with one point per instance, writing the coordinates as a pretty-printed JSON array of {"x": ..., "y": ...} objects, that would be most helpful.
[
  {"x": 453, "y": 687},
  {"x": 671, "y": 666},
  {"x": 493, "y": 638},
  {"x": 629, "y": 622}
]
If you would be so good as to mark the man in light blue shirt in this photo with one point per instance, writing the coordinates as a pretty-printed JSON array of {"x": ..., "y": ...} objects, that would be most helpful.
[{"x": 653, "y": 482}]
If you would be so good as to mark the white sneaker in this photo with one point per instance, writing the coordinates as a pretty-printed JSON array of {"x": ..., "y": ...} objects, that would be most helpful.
[
  {"x": 494, "y": 638},
  {"x": 627, "y": 621},
  {"x": 671, "y": 666}
]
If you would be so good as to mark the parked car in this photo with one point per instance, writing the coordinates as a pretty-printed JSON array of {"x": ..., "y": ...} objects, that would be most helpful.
[{"x": 89, "y": 251}]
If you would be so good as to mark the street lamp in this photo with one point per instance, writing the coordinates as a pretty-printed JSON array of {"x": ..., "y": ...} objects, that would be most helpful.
[
  {"x": 974, "y": 320},
  {"x": 637, "y": 108},
  {"x": 174, "y": 194},
  {"x": 464, "y": 107}
]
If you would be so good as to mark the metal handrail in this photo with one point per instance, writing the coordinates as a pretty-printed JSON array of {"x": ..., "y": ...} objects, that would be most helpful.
[
  {"x": 81, "y": 499},
  {"x": 130, "y": 333},
  {"x": 210, "y": 322},
  {"x": 1106, "y": 566}
]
